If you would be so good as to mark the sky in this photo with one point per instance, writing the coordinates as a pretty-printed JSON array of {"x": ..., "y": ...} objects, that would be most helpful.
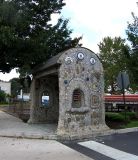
[{"x": 94, "y": 20}]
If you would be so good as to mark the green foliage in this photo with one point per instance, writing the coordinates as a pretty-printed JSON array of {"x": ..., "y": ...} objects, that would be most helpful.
[
  {"x": 132, "y": 124},
  {"x": 114, "y": 55},
  {"x": 15, "y": 86},
  {"x": 118, "y": 120},
  {"x": 114, "y": 117},
  {"x": 132, "y": 33},
  {"x": 130, "y": 115},
  {"x": 2, "y": 96},
  {"x": 20, "y": 83},
  {"x": 120, "y": 117},
  {"x": 27, "y": 36}
]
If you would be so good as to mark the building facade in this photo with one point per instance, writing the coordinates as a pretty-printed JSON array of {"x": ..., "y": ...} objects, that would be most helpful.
[{"x": 6, "y": 87}]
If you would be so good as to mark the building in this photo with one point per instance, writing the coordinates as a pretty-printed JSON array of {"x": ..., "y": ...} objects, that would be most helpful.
[
  {"x": 6, "y": 87},
  {"x": 116, "y": 102},
  {"x": 73, "y": 83}
]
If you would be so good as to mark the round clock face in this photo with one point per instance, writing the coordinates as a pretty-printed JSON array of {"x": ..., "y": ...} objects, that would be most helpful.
[
  {"x": 92, "y": 60},
  {"x": 80, "y": 56}
]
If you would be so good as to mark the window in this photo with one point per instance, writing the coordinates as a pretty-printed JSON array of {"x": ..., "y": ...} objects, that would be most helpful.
[
  {"x": 78, "y": 98},
  {"x": 45, "y": 99}
]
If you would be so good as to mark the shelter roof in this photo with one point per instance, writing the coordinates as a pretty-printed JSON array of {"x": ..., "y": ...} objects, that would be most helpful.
[
  {"x": 49, "y": 63},
  {"x": 52, "y": 62}
]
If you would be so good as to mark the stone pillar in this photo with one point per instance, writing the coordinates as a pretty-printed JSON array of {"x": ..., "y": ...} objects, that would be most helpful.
[
  {"x": 62, "y": 97},
  {"x": 33, "y": 102},
  {"x": 81, "y": 75}
]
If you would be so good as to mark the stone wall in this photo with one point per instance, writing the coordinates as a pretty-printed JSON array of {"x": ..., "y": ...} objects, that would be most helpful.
[
  {"x": 76, "y": 92},
  {"x": 86, "y": 75},
  {"x": 40, "y": 113}
]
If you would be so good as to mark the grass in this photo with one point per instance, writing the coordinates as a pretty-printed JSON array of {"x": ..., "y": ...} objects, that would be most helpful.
[
  {"x": 132, "y": 124},
  {"x": 4, "y": 104},
  {"x": 129, "y": 115}
]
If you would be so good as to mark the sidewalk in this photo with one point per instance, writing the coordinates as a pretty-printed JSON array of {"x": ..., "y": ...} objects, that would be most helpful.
[
  {"x": 36, "y": 144},
  {"x": 33, "y": 147},
  {"x": 30, "y": 149},
  {"x": 11, "y": 126}
]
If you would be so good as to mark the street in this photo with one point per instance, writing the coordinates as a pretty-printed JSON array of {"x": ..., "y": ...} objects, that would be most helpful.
[{"x": 117, "y": 146}]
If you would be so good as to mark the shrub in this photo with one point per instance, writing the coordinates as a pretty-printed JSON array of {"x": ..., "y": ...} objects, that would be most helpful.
[
  {"x": 131, "y": 115},
  {"x": 114, "y": 117}
]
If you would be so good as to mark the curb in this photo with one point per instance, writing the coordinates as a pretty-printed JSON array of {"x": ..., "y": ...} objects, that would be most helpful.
[
  {"x": 119, "y": 131},
  {"x": 30, "y": 136},
  {"x": 56, "y": 137},
  {"x": 126, "y": 130}
]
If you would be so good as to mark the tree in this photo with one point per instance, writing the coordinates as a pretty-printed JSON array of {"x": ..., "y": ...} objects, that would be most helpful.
[
  {"x": 27, "y": 36},
  {"x": 20, "y": 83},
  {"x": 2, "y": 96},
  {"x": 15, "y": 86},
  {"x": 114, "y": 55},
  {"x": 132, "y": 33}
]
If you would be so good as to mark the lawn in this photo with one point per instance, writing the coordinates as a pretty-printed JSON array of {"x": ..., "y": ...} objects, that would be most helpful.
[
  {"x": 132, "y": 124},
  {"x": 4, "y": 105}
]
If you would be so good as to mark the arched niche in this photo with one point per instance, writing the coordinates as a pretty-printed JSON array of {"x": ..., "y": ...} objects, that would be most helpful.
[
  {"x": 77, "y": 86},
  {"x": 77, "y": 98}
]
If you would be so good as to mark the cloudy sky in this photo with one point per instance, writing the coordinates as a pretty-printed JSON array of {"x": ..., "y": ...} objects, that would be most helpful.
[{"x": 94, "y": 20}]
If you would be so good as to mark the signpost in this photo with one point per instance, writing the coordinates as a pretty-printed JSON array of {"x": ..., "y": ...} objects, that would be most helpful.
[
  {"x": 123, "y": 80},
  {"x": 123, "y": 83}
]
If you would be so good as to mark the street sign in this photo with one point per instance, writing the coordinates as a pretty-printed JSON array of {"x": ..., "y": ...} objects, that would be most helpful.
[
  {"x": 123, "y": 83},
  {"x": 123, "y": 80}
]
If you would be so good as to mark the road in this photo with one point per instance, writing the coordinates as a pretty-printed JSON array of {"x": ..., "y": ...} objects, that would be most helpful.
[{"x": 117, "y": 147}]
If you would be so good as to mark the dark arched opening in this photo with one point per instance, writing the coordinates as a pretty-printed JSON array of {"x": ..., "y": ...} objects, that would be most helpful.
[{"x": 77, "y": 98}]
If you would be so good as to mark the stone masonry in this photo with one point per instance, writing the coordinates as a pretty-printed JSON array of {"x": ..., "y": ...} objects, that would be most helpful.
[{"x": 75, "y": 85}]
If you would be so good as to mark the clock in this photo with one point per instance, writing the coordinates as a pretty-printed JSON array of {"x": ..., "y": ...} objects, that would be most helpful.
[
  {"x": 92, "y": 60},
  {"x": 80, "y": 56}
]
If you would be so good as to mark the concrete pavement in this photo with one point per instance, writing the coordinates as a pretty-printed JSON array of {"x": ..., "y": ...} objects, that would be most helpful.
[
  {"x": 11, "y": 126},
  {"x": 34, "y": 148},
  {"x": 30, "y": 149}
]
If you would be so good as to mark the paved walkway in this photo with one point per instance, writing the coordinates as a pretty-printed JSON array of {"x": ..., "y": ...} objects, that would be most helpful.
[
  {"x": 37, "y": 149},
  {"x": 32, "y": 149},
  {"x": 11, "y": 126}
]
